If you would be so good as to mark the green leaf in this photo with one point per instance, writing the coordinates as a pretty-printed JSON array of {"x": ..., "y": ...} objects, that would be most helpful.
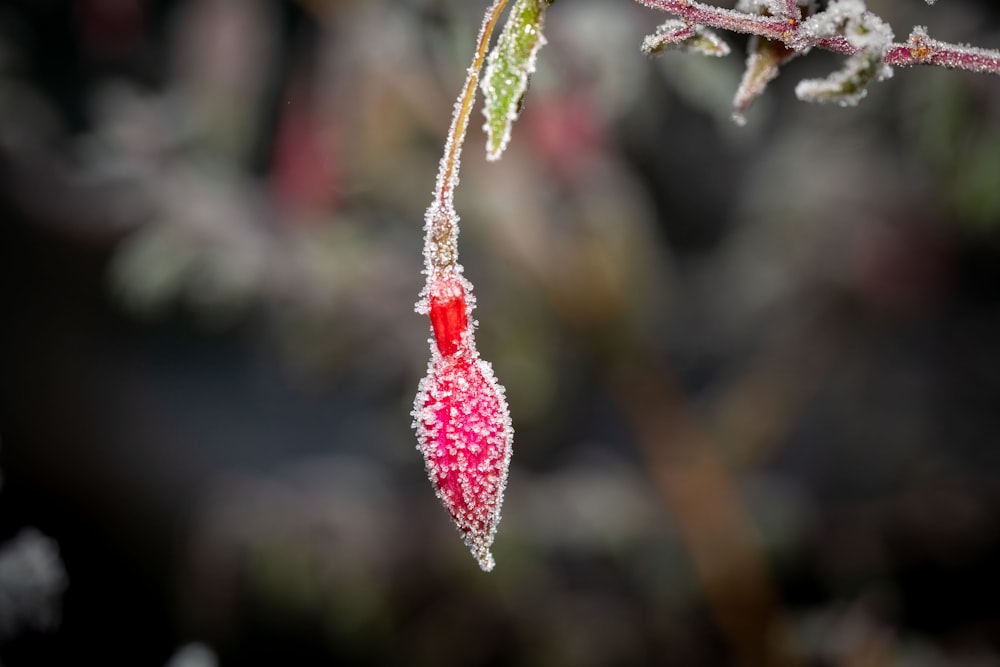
[{"x": 510, "y": 64}]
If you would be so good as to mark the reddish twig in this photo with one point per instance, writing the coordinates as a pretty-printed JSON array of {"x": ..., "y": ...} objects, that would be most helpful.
[{"x": 919, "y": 49}]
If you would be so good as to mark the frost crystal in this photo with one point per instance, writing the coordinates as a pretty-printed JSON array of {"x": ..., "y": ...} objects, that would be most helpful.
[
  {"x": 510, "y": 64},
  {"x": 461, "y": 418}
]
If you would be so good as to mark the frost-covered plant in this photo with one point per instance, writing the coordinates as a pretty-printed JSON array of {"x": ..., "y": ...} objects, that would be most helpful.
[
  {"x": 460, "y": 413},
  {"x": 783, "y": 29}
]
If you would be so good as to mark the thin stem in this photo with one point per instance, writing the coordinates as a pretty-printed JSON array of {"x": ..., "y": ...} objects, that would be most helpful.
[
  {"x": 448, "y": 174},
  {"x": 725, "y": 19},
  {"x": 441, "y": 221},
  {"x": 920, "y": 49}
]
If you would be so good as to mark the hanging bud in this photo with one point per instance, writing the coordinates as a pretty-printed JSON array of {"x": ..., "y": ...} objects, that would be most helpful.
[
  {"x": 461, "y": 418},
  {"x": 460, "y": 412}
]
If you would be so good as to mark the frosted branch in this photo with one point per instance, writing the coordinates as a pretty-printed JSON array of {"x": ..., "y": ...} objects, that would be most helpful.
[
  {"x": 785, "y": 28},
  {"x": 920, "y": 49}
]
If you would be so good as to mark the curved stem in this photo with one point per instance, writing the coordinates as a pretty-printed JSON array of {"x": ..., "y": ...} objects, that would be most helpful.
[
  {"x": 441, "y": 221},
  {"x": 448, "y": 173}
]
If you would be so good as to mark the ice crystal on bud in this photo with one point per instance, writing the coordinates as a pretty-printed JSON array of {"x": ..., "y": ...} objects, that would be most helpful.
[
  {"x": 846, "y": 86},
  {"x": 461, "y": 418},
  {"x": 677, "y": 34},
  {"x": 510, "y": 64}
]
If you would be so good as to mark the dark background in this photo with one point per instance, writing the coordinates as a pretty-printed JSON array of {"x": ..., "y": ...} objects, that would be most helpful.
[{"x": 754, "y": 372}]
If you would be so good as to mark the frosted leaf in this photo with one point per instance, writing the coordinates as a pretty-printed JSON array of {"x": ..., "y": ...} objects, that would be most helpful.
[
  {"x": 781, "y": 8},
  {"x": 764, "y": 57},
  {"x": 510, "y": 64},
  {"x": 864, "y": 31},
  {"x": 461, "y": 419},
  {"x": 846, "y": 86},
  {"x": 677, "y": 34}
]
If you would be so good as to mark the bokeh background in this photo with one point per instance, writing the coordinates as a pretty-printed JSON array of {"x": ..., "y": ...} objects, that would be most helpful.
[{"x": 754, "y": 372}]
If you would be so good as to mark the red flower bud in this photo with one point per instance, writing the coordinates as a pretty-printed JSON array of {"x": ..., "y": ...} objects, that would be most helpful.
[
  {"x": 449, "y": 315},
  {"x": 462, "y": 422}
]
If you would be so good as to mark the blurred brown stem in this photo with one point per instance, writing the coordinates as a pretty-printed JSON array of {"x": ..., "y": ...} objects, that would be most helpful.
[{"x": 700, "y": 495}]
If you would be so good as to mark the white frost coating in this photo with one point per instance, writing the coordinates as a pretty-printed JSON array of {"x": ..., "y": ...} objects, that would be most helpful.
[
  {"x": 467, "y": 451},
  {"x": 423, "y": 307},
  {"x": 440, "y": 237},
  {"x": 768, "y": 7}
]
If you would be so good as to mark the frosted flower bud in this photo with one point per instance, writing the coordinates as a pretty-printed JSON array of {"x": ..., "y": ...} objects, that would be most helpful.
[{"x": 461, "y": 418}]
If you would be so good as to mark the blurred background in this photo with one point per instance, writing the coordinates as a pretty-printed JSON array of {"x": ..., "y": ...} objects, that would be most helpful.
[{"x": 754, "y": 372}]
